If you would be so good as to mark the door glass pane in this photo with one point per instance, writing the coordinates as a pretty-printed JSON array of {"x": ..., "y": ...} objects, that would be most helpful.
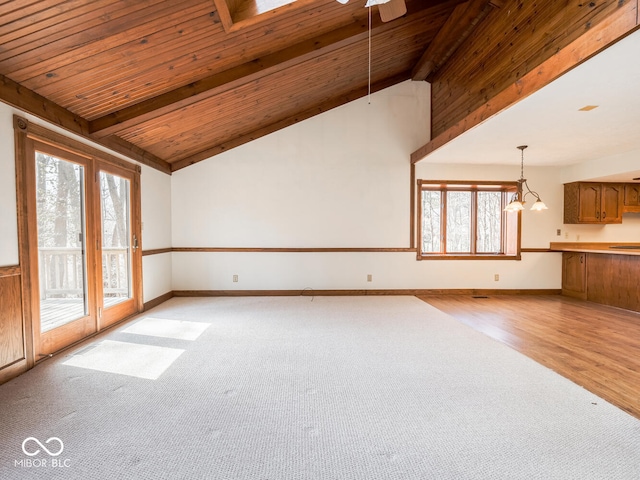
[
  {"x": 458, "y": 222},
  {"x": 431, "y": 206},
  {"x": 61, "y": 233},
  {"x": 489, "y": 225},
  {"x": 116, "y": 257}
]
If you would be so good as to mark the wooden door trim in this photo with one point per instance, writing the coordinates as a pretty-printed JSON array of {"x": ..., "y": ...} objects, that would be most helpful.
[
  {"x": 20, "y": 140},
  {"x": 44, "y": 135}
]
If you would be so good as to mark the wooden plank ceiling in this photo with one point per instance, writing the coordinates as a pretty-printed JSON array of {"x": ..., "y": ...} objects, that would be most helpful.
[{"x": 172, "y": 82}]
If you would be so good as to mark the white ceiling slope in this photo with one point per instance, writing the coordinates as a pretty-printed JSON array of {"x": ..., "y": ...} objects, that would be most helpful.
[{"x": 549, "y": 121}]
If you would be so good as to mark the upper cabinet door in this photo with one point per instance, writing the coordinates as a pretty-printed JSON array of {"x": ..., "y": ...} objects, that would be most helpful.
[
  {"x": 632, "y": 197},
  {"x": 590, "y": 202},
  {"x": 612, "y": 202},
  {"x": 590, "y": 199}
]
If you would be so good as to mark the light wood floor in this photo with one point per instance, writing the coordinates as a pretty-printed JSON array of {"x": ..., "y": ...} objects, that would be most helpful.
[
  {"x": 595, "y": 346},
  {"x": 55, "y": 312}
]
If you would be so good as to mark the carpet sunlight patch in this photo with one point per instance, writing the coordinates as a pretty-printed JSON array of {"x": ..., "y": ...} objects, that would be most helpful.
[
  {"x": 160, "y": 327},
  {"x": 142, "y": 361}
]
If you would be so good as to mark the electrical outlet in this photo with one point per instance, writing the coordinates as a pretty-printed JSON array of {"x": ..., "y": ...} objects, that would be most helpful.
[
  {"x": 577, "y": 238},
  {"x": 566, "y": 234},
  {"x": 558, "y": 232},
  {"x": 235, "y": 278},
  {"x": 369, "y": 278},
  {"x": 496, "y": 277}
]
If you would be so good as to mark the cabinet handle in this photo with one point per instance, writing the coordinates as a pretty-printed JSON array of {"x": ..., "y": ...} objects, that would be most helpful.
[
  {"x": 604, "y": 215},
  {"x": 581, "y": 258}
]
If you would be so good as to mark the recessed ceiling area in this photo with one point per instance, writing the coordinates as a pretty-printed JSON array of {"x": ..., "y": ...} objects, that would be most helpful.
[{"x": 551, "y": 123}]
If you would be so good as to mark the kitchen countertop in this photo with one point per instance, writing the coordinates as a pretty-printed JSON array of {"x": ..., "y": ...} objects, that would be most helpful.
[{"x": 590, "y": 247}]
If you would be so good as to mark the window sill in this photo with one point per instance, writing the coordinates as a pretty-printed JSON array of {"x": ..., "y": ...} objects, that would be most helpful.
[{"x": 458, "y": 256}]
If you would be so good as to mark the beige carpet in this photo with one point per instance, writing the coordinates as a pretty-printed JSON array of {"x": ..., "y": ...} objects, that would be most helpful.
[{"x": 294, "y": 388}]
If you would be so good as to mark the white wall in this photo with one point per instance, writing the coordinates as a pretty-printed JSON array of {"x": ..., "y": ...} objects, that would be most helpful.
[
  {"x": 622, "y": 167},
  {"x": 8, "y": 215},
  {"x": 297, "y": 271},
  {"x": 340, "y": 179},
  {"x": 156, "y": 200},
  {"x": 156, "y": 232},
  {"x": 627, "y": 231}
]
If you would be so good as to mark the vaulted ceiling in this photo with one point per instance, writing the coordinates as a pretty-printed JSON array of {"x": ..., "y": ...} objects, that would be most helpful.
[
  {"x": 175, "y": 82},
  {"x": 170, "y": 83}
]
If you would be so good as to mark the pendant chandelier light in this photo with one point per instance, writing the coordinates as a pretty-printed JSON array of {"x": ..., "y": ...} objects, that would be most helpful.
[{"x": 518, "y": 199}]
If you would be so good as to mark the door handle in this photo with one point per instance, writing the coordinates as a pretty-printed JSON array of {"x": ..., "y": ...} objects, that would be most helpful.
[{"x": 135, "y": 242}]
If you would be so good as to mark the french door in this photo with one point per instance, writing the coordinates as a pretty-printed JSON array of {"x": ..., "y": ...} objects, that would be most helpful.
[
  {"x": 118, "y": 244},
  {"x": 83, "y": 237}
]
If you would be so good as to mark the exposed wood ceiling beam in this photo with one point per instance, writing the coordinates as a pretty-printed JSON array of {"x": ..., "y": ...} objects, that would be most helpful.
[
  {"x": 593, "y": 41},
  {"x": 222, "y": 10},
  {"x": 234, "y": 14},
  {"x": 133, "y": 151},
  {"x": 298, "y": 117},
  {"x": 456, "y": 29},
  {"x": 247, "y": 72},
  {"x": 30, "y": 102}
]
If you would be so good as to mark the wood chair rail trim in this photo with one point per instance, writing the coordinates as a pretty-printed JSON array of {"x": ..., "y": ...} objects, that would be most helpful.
[{"x": 160, "y": 251}]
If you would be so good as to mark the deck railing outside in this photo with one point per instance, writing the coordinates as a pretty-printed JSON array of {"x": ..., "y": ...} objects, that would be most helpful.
[{"x": 61, "y": 272}]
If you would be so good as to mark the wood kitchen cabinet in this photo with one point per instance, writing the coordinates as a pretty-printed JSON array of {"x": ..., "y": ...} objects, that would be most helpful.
[
  {"x": 632, "y": 197},
  {"x": 606, "y": 273},
  {"x": 591, "y": 202},
  {"x": 613, "y": 280},
  {"x": 574, "y": 274}
]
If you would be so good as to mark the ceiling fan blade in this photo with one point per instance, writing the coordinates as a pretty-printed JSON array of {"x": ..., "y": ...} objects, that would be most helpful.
[{"x": 392, "y": 9}]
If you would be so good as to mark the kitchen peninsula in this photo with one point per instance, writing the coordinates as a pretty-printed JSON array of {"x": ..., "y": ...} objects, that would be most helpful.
[{"x": 607, "y": 273}]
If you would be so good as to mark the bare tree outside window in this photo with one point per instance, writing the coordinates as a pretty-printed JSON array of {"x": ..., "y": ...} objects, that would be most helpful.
[
  {"x": 458, "y": 222},
  {"x": 431, "y": 208},
  {"x": 60, "y": 222},
  {"x": 489, "y": 234},
  {"x": 59, "y": 208},
  {"x": 116, "y": 261}
]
